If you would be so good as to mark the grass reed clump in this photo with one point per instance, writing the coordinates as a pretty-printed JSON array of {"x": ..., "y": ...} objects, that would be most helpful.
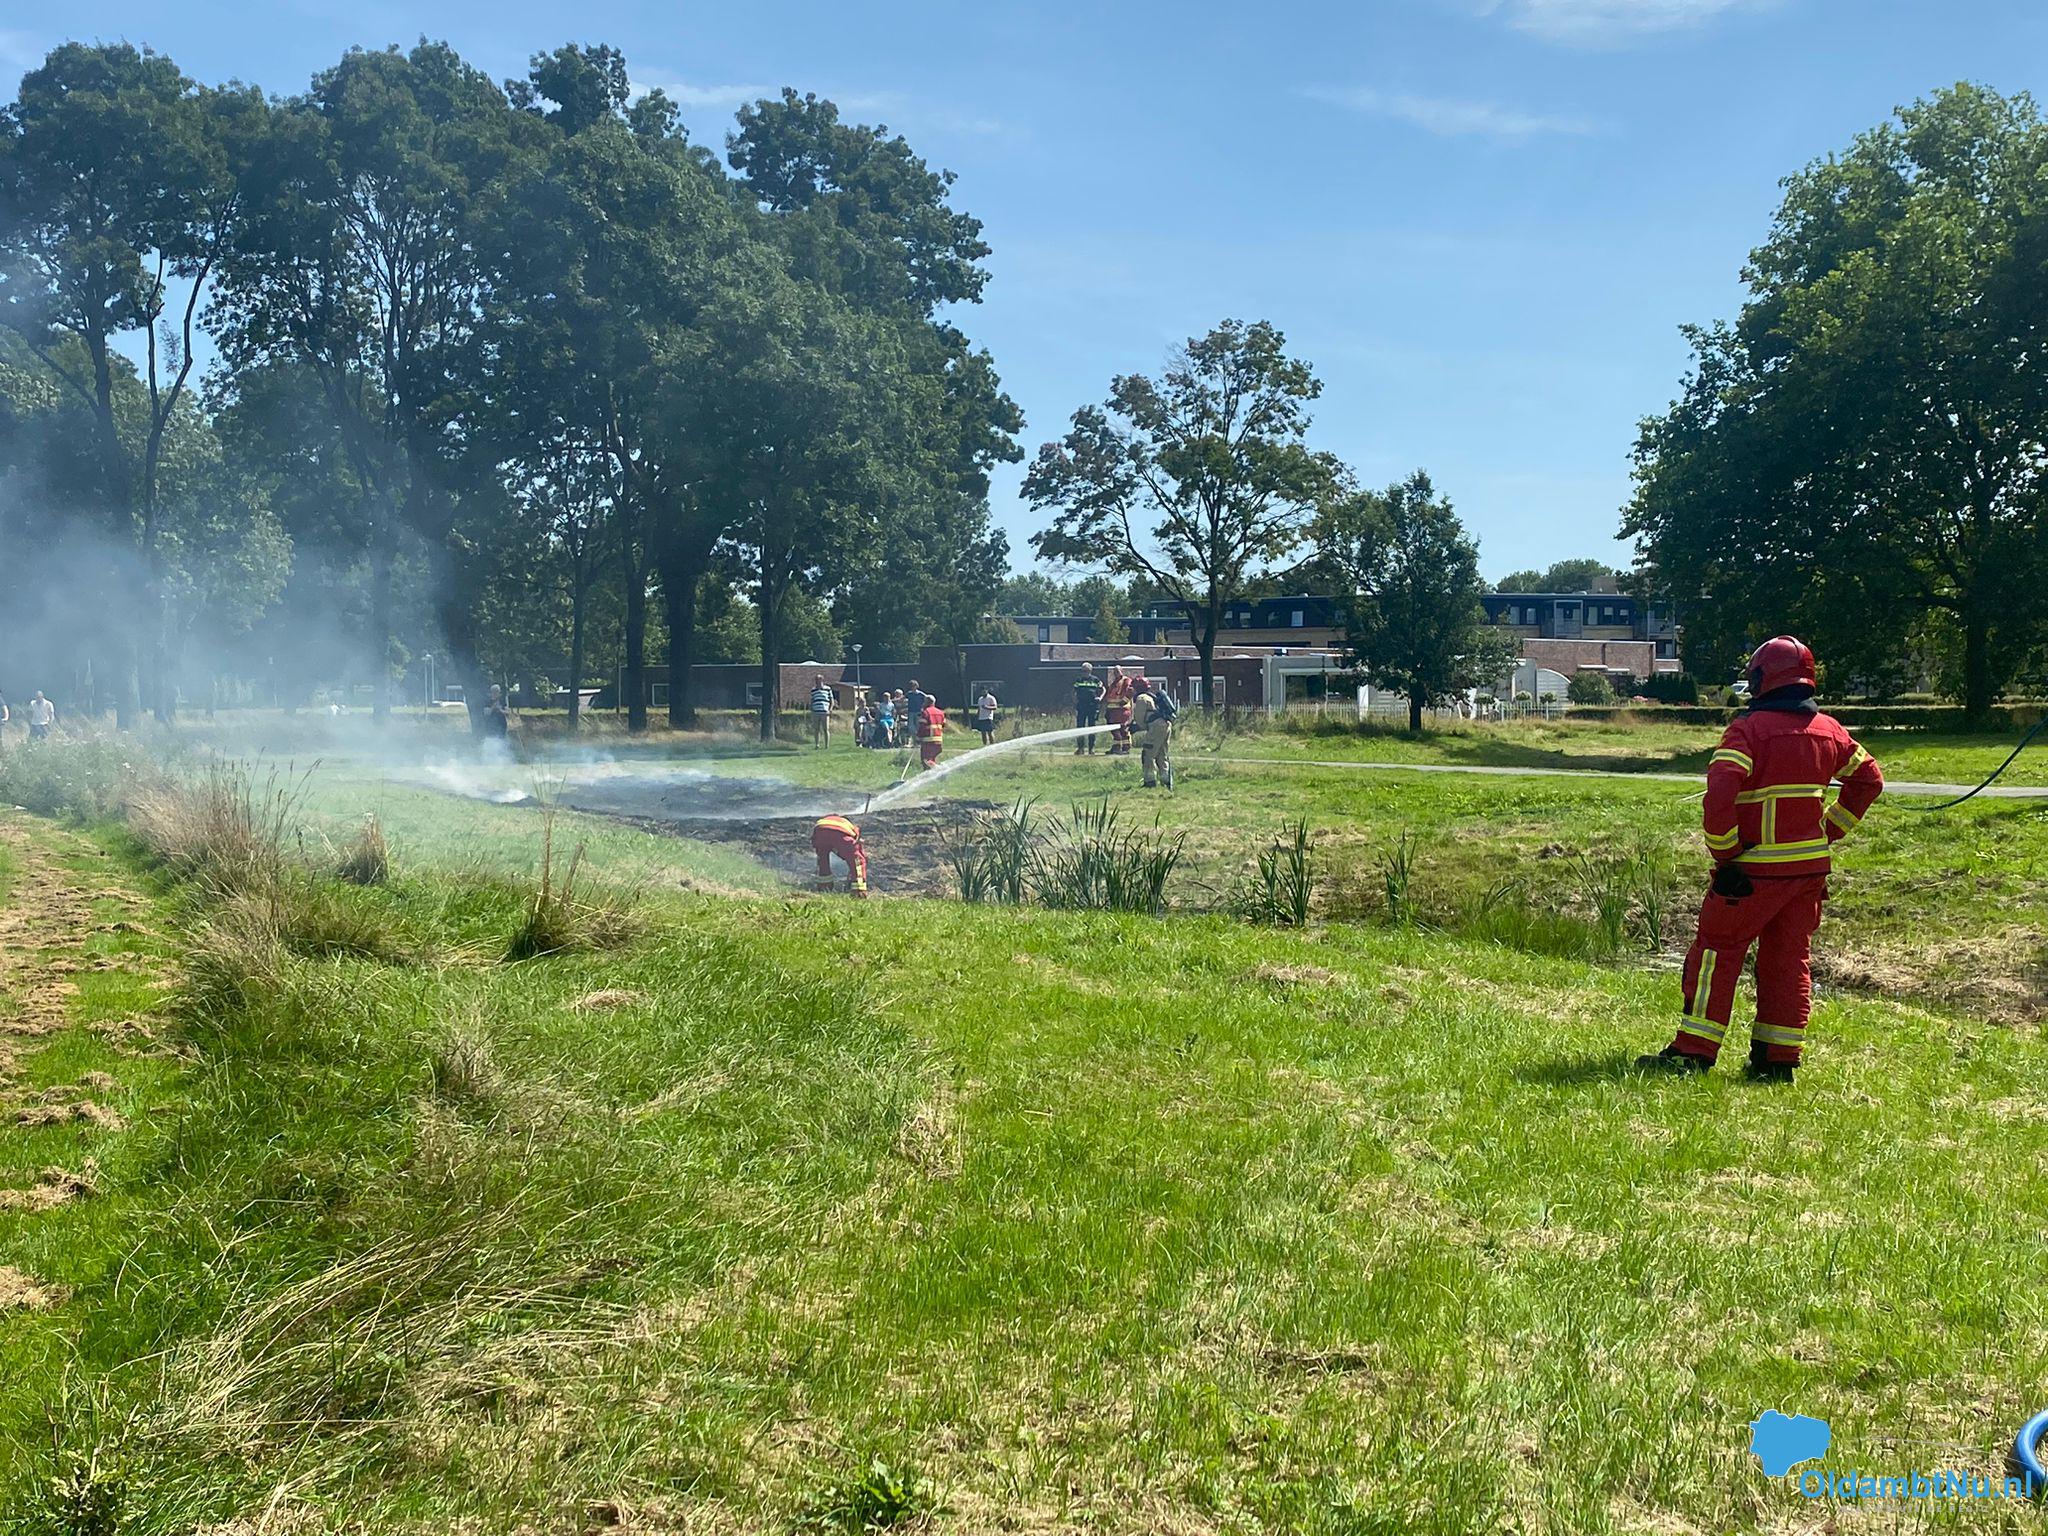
[
  {"x": 558, "y": 918},
  {"x": 367, "y": 860},
  {"x": 1281, "y": 887}
]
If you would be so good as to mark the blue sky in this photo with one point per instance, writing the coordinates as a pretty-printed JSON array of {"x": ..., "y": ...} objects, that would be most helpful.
[{"x": 1482, "y": 220}]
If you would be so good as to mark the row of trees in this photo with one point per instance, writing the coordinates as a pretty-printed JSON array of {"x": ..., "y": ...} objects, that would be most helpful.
[{"x": 492, "y": 363}]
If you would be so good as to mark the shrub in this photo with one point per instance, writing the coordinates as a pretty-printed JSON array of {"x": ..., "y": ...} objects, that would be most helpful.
[
  {"x": 1590, "y": 688},
  {"x": 86, "y": 778}
]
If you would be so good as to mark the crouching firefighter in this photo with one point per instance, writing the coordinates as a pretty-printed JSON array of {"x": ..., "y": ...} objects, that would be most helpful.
[
  {"x": 835, "y": 836},
  {"x": 1770, "y": 826}
]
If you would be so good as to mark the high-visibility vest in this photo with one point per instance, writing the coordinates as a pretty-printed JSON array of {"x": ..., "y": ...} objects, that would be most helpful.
[
  {"x": 931, "y": 726},
  {"x": 838, "y": 824}
]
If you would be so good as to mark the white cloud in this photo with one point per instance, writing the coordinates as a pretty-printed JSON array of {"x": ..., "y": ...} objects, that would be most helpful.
[
  {"x": 1608, "y": 23},
  {"x": 1454, "y": 117},
  {"x": 863, "y": 106}
]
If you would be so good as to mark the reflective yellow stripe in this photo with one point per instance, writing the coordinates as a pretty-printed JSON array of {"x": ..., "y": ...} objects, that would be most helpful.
[
  {"x": 1843, "y": 817},
  {"x": 1730, "y": 755},
  {"x": 1705, "y": 1029},
  {"x": 1856, "y": 760},
  {"x": 1786, "y": 853},
  {"x": 1729, "y": 839},
  {"x": 838, "y": 824},
  {"x": 1776, "y": 1034},
  {"x": 1702, "y": 989},
  {"x": 1770, "y": 829},
  {"x": 1781, "y": 792}
]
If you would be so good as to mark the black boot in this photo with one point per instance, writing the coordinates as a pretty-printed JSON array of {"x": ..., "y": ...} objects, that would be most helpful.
[
  {"x": 1671, "y": 1059},
  {"x": 1762, "y": 1069}
]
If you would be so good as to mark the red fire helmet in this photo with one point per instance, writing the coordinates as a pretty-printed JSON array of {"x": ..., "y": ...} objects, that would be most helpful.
[{"x": 1779, "y": 663}]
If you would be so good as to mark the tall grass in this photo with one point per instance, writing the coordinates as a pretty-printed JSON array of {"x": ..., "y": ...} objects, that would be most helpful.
[
  {"x": 1095, "y": 864},
  {"x": 1091, "y": 862},
  {"x": 557, "y": 918},
  {"x": 1397, "y": 866},
  {"x": 1281, "y": 887},
  {"x": 367, "y": 860},
  {"x": 222, "y": 829},
  {"x": 992, "y": 856}
]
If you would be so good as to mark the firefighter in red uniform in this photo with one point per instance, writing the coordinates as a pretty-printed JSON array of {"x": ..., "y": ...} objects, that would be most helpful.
[
  {"x": 1770, "y": 826},
  {"x": 835, "y": 835},
  {"x": 1119, "y": 700},
  {"x": 931, "y": 734}
]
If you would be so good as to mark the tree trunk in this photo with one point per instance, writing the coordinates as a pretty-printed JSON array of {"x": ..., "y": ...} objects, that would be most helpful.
[
  {"x": 382, "y": 557},
  {"x": 771, "y": 661},
  {"x": 1414, "y": 709},
  {"x": 1978, "y": 692},
  {"x": 1205, "y": 652},
  {"x": 636, "y": 647},
  {"x": 458, "y": 633},
  {"x": 579, "y": 599},
  {"x": 679, "y": 581}
]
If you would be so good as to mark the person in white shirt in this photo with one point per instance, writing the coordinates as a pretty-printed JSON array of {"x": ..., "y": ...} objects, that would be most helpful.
[
  {"x": 42, "y": 714},
  {"x": 821, "y": 711},
  {"x": 985, "y": 716}
]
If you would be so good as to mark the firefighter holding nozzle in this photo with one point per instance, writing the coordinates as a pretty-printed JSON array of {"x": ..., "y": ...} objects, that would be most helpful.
[{"x": 1770, "y": 827}]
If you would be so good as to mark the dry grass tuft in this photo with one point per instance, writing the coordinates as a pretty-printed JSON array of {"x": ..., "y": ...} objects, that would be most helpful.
[
  {"x": 559, "y": 919},
  {"x": 368, "y": 859},
  {"x": 607, "y": 1000},
  {"x": 19, "y": 1292}
]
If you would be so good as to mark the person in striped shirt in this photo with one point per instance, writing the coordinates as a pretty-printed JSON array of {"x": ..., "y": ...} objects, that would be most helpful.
[{"x": 821, "y": 711}]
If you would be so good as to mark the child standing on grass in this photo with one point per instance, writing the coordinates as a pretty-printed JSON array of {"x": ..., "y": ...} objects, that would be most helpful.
[{"x": 1770, "y": 828}]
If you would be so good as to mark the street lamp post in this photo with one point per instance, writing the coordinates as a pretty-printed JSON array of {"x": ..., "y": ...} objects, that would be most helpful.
[
  {"x": 427, "y": 680},
  {"x": 856, "y": 664}
]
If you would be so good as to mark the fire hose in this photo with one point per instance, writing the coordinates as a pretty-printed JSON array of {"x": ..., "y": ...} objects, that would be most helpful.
[
  {"x": 2026, "y": 1453},
  {"x": 1992, "y": 777}
]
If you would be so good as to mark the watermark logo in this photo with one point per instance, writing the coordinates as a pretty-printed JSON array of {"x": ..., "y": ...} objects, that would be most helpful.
[{"x": 1782, "y": 1442}]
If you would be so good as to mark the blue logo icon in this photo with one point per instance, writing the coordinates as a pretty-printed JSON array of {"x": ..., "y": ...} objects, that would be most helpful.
[{"x": 1782, "y": 1441}]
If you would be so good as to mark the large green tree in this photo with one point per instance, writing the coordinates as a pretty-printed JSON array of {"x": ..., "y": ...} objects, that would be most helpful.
[
  {"x": 119, "y": 188},
  {"x": 1410, "y": 584},
  {"x": 358, "y": 257},
  {"x": 1867, "y": 443},
  {"x": 1196, "y": 481}
]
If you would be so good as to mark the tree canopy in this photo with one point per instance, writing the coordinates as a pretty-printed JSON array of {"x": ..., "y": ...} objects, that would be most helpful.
[
  {"x": 1861, "y": 456},
  {"x": 510, "y": 373}
]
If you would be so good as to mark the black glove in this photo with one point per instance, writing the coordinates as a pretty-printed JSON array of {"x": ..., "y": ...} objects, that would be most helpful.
[{"x": 1732, "y": 880}]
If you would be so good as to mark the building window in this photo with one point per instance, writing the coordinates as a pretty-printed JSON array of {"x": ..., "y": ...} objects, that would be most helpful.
[
  {"x": 1044, "y": 633},
  {"x": 1298, "y": 618}
]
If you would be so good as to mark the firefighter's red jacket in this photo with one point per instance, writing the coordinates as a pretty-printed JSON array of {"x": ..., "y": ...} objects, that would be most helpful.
[{"x": 1767, "y": 791}]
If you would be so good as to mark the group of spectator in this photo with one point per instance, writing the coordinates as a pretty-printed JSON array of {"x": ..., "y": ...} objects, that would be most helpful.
[{"x": 39, "y": 711}]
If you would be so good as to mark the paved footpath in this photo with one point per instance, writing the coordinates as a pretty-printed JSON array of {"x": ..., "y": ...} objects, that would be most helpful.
[{"x": 1891, "y": 786}]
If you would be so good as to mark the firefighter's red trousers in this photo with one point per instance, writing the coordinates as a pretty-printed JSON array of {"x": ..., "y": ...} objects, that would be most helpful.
[
  {"x": 1779, "y": 917},
  {"x": 928, "y": 753},
  {"x": 828, "y": 841}
]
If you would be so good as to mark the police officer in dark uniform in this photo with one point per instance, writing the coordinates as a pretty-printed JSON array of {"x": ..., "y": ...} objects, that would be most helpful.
[{"x": 1087, "y": 707}]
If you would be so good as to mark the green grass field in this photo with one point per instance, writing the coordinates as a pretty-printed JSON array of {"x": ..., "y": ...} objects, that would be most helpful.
[{"x": 1070, "y": 1221}]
